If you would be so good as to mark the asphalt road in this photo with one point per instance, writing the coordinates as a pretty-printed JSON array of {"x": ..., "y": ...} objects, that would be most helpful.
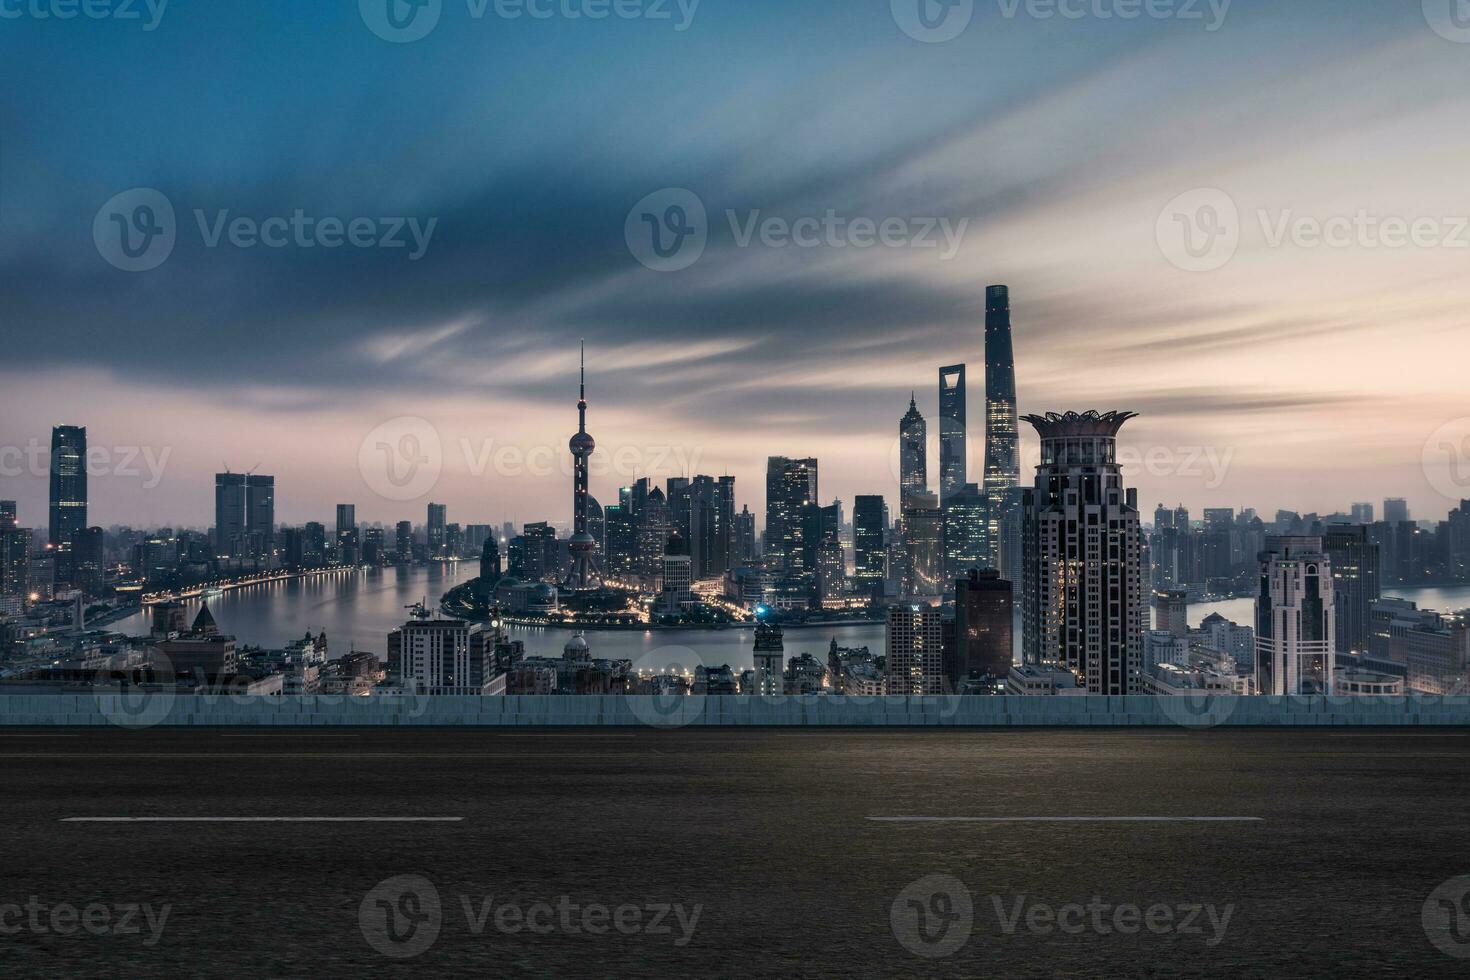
[{"x": 734, "y": 853}]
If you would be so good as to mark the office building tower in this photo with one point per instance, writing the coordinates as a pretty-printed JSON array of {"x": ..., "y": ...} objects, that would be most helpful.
[
  {"x": 620, "y": 533},
  {"x": 371, "y": 547},
  {"x": 15, "y": 555},
  {"x": 923, "y": 544},
  {"x": 711, "y": 510},
  {"x": 770, "y": 657},
  {"x": 1355, "y": 585},
  {"x": 244, "y": 514},
  {"x": 676, "y": 496},
  {"x": 1002, "y": 435},
  {"x": 539, "y": 558},
  {"x": 437, "y": 528},
  {"x": 746, "y": 547},
  {"x": 1362, "y": 513},
  {"x": 403, "y": 541},
  {"x": 952, "y": 456},
  {"x": 68, "y": 472},
  {"x": 870, "y": 553},
  {"x": 677, "y": 579},
  {"x": 1395, "y": 510},
  {"x": 914, "y": 652},
  {"x": 984, "y": 605},
  {"x": 791, "y": 486},
  {"x": 1171, "y": 612},
  {"x": 831, "y": 572},
  {"x": 8, "y": 514},
  {"x": 490, "y": 560},
  {"x": 1083, "y": 591},
  {"x": 1296, "y": 622},
  {"x": 966, "y": 531},
  {"x": 347, "y": 538},
  {"x": 652, "y": 516},
  {"x": 443, "y": 657},
  {"x": 88, "y": 558},
  {"x": 913, "y": 453},
  {"x": 314, "y": 544},
  {"x": 1163, "y": 518}
]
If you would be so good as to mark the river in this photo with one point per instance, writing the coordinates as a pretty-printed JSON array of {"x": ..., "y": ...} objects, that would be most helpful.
[{"x": 359, "y": 609}]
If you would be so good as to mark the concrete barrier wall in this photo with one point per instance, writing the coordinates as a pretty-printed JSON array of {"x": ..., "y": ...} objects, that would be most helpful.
[{"x": 188, "y": 710}]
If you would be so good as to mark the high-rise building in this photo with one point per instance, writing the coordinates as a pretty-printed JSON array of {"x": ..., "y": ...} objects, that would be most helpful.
[
  {"x": 490, "y": 560},
  {"x": 914, "y": 652},
  {"x": 651, "y": 513},
  {"x": 831, "y": 572},
  {"x": 68, "y": 494},
  {"x": 1362, "y": 513},
  {"x": 1171, "y": 612},
  {"x": 244, "y": 514},
  {"x": 1355, "y": 584},
  {"x": 746, "y": 550},
  {"x": 1296, "y": 623},
  {"x": 347, "y": 538},
  {"x": 582, "y": 546},
  {"x": 437, "y": 530},
  {"x": 984, "y": 606},
  {"x": 1002, "y": 436},
  {"x": 621, "y": 549},
  {"x": 539, "y": 554},
  {"x": 870, "y": 554},
  {"x": 1082, "y": 597},
  {"x": 966, "y": 531},
  {"x": 678, "y": 576},
  {"x": 952, "y": 461},
  {"x": 15, "y": 552},
  {"x": 770, "y": 656},
  {"x": 443, "y": 657},
  {"x": 314, "y": 544},
  {"x": 711, "y": 508},
  {"x": 923, "y": 545},
  {"x": 913, "y": 453},
  {"x": 1395, "y": 510},
  {"x": 403, "y": 541},
  {"x": 791, "y": 485}
]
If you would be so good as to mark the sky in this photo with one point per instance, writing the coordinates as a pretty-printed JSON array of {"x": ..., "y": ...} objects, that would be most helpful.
[{"x": 1147, "y": 186}]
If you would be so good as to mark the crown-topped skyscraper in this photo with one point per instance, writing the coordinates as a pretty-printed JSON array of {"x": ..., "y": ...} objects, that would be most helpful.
[{"x": 582, "y": 546}]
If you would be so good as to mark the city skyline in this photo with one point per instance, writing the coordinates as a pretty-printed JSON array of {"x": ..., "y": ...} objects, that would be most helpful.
[{"x": 751, "y": 351}]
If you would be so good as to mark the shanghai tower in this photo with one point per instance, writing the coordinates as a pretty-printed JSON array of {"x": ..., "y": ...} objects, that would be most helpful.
[{"x": 1002, "y": 450}]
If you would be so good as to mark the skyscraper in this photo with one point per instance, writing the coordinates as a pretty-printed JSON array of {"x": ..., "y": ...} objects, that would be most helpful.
[
  {"x": 913, "y": 454},
  {"x": 870, "y": 556},
  {"x": 436, "y": 529},
  {"x": 1002, "y": 438},
  {"x": 923, "y": 545},
  {"x": 1395, "y": 510},
  {"x": 791, "y": 485},
  {"x": 966, "y": 531},
  {"x": 1295, "y": 618},
  {"x": 1355, "y": 582},
  {"x": 711, "y": 509},
  {"x": 770, "y": 656},
  {"x": 15, "y": 551},
  {"x": 952, "y": 462},
  {"x": 1082, "y": 595},
  {"x": 347, "y": 542},
  {"x": 914, "y": 655},
  {"x": 582, "y": 547},
  {"x": 244, "y": 514},
  {"x": 403, "y": 541},
  {"x": 984, "y": 625},
  {"x": 68, "y": 493}
]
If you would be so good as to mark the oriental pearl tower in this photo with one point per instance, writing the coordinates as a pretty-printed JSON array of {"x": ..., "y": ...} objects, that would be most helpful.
[{"x": 582, "y": 545}]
